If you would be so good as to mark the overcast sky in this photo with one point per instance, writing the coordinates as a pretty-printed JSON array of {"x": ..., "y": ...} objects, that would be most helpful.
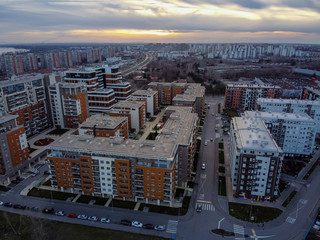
[{"x": 203, "y": 21}]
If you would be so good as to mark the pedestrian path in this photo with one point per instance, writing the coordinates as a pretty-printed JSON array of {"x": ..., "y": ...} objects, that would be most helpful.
[
  {"x": 239, "y": 232},
  {"x": 172, "y": 226}
]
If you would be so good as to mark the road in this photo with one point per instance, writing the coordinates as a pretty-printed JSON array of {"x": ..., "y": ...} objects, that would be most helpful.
[
  {"x": 147, "y": 59},
  {"x": 291, "y": 225}
]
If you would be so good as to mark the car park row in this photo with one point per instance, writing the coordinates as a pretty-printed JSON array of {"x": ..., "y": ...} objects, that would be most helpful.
[{"x": 84, "y": 217}]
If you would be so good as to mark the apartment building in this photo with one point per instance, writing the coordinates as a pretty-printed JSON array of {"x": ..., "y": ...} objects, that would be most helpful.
[
  {"x": 25, "y": 96},
  {"x": 255, "y": 159},
  {"x": 149, "y": 97},
  {"x": 102, "y": 125},
  {"x": 244, "y": 96},
  {"x": 99, "y": 100},
  {"x": 133, "y": 110},
  {"x": 309, "y": 93},
  {"x": 312, "y": 108},
  {"x": 167, "y": 91},
  {"x": 69, "y": 104},
  {"x": 193, "y": 97},
  {"x": 294, "y": 133},
  {"x": 14, "y": 152},
  {"x": 113, "y": 79},
  {"x": 148, "y": 170}
]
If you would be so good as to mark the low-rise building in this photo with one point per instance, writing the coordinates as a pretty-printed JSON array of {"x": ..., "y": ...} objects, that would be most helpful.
[
  {"x": 309, "y": 93},
  {"x": 294, "y": 133},
  {"x": 102, "y": 125},
  {"x": 255, "y": 159},
  {"x": 14, "y": 152}
]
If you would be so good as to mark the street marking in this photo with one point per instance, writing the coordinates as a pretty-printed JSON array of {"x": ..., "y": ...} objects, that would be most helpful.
[
  {"x": 172, "y": 226},
  {"x": 238, "y": 230},
  {"x": 206, "y": 206},
  {"x": 203, "y": 176},
  {"x": 254, "y": 233},
  {"x": 303, "y": 201},
  {"x": 290, "y": 220},
  {"x": 201, "y": 196}
]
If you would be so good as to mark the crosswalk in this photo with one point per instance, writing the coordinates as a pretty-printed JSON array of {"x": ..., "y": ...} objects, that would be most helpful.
[
  {"x": 206, "y": 206},
  {"x": 239, "y": 232},
  {"x": 172, "y": 226}
]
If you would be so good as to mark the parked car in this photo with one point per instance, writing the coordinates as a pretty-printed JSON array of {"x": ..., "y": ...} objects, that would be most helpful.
[
  {"x": 318, "y": 222},
  {"x": 137, "y": 224},
  {"x": 35, "y": 209},
  {"x": 159, "y": 227},
  {"x": 60, "y": 213},
  {"x": 199, "y": 208},
  {"x": 8, "y": 204},
  {"x": 48, "y": 210},
  {"x": 72, "y": 215},
  {"x": 125, "y": 222},
  {"x": 18, "y": 206},
  {"x": 211, "y": 139},
  {"x": 203, "y": 166},
  {"x": 105, "y": 220},
  {"x": 148, "y": 226},
  {"x": 216, "y": 129},
  {"x": 93, "y": 218},
  {"x": 1, "y": 203},
  {"x": 83, "y": 216},
  {"x": 34, "y": 174},
  {"x": 206, "y": 143},
  {"x": 316, "y": 227}
]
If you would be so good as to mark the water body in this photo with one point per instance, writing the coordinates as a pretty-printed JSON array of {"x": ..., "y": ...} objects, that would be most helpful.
[{"x": 7, "y": 50}]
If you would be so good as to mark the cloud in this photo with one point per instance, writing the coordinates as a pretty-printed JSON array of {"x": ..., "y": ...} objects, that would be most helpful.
[{"x": 188, "y": 16}]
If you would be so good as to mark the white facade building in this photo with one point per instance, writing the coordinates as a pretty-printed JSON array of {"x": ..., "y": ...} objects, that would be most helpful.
[
  {"x": 255, "y": 159},
  {"x": 294, "y": 133}
]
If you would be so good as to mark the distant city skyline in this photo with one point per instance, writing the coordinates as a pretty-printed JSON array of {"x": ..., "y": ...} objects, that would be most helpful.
[{"x": 191, "y": 21}]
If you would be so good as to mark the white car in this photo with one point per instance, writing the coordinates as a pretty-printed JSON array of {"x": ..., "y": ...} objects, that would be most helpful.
[
  {"x": 203, "y": 166},
  {"x": 316, "y": 227},
  {"x": 206, "y": 143},
  {"x": 318, "y": 222},
  {"x": 159, "y": 228},
  {"x": 1, "y": 203},
  {"x": 136, "y": 224},
  {"x": 93, "y": 218},
  {"x": 82, "y": 216},
  {"x": 60, "y": 213},
  {"x": 105, "y": 220}
]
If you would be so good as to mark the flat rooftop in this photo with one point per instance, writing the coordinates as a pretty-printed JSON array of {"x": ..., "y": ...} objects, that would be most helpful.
[
  {"x": 148, "y": 92},
  {"x": 177, "y": 130},
  {"x": 239, "y": 85},
  {"x": 4, "y": 117},
  {"x": 21, "y": 79},
  {"x": 252, "y": 134},
  {"x": 127, "y": 105},
  {"x": 279, "y": 115},
  {"x": 314, "y": 90},
  {"x": 288, "y": 101},
  {"x": 102, "y": 121}
]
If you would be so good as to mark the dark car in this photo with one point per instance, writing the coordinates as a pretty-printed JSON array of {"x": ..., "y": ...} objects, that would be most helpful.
[
  {"x": 8, "y": 204},
  {"x": 48, "y": 210},
  {"x": 18, "y": 206},
  {"x": 72, "y": 215},
  {"x": 35, "y": 209},
  {"x": 148, "y": 226},
  {"x": 199, "y": 208},
  {"x": 125, "y": 222}
]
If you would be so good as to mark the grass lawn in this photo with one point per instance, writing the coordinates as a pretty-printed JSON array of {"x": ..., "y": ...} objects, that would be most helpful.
[
  {"x": 222, "y": 186},
  {"x": 282, "y": 185},
  {"x": 152, "y": 119},
  {"x": 231, "y": 112},
  {"x": 221, "y": 157},
  {"x": 122, "y": 204},
  {"x": 98, "y": 200},
  {"x": 4, "y": 188},
  {"x": 168, "y": 210},
  {"x": 260, "y": 214},
  {"x": 58, "y": 131},
  {"x": 221, "y": 145},
  {"x": 48, "y": 194},
  {"x": 222, "y": 169},
  {"x": 316, "y": 163},
  {"x": 47, "y": 183},
  {"x": 289, "y": 198},
  {"x": 14, "y": 227},
  {"x": 195, "y": 162},
  {"x": 219, "y": 108}
]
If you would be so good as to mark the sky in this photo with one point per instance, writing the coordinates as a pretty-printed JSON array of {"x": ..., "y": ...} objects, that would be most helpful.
[{"x": 169, "y": 21}]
